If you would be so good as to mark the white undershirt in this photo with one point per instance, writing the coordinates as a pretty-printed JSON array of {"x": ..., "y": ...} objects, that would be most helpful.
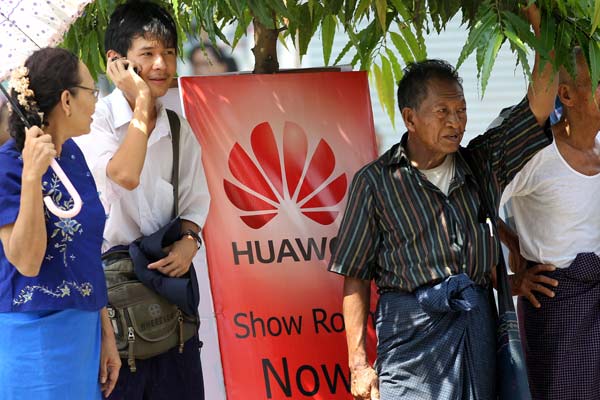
[
  {"x": 442, "y": 175},
  {"x": 556, "y": 209}
]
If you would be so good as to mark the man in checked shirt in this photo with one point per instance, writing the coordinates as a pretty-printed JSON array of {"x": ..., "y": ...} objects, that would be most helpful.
[{"x": 411, "y": 225}]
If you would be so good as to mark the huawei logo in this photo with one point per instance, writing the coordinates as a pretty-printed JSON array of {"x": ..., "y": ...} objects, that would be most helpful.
[{"x": 285, "y": 180}]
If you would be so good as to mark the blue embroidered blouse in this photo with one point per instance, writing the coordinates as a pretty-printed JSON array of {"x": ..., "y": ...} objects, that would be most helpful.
[{"x": 71, "y": 274}]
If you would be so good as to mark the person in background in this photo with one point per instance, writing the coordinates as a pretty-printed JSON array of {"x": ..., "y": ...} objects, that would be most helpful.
[
  {"x": 56, "y": 340},
  {"x": 207, "y": 60}
]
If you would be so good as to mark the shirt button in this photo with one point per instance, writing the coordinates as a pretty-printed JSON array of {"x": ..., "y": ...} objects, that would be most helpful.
[
  {"x": 72, "y": 156},
  {"x": 88, "y": 174}
]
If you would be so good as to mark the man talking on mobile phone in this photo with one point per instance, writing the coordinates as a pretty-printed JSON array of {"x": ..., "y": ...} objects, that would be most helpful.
[{"x": 130, "y": 154}]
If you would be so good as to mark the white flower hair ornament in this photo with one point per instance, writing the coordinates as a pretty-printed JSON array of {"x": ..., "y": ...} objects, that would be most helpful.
[{"x": 19, "y": 82}]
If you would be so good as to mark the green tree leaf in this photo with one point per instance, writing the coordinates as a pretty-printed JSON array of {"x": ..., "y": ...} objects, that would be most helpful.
[
  {"x": 388, "y": 84},
  {"x": 381, "y": 7},
  {"x": 523, "y": 30},
  {"x": 596, "y": 17},
  {"x": 93, "y": 55},
  {"x": 402, "y": 48},
  {"x": 401, "y": 9},
  {"x": 395, "y": 66},
  {"x": 476, "y": 36},
  {"x": 361, "y": 9},
  {"x": 327, "y": 35},
  {"x": 261, "y": 11},
  {"x": 594, "y": 61},
  {"x": 376, "y": 72},
  {"x": 344, "y": 51},
  {"x": 349, "y": 7},
  {"x": 489, "y": 58},
  {"x": 417, "y": 45}
]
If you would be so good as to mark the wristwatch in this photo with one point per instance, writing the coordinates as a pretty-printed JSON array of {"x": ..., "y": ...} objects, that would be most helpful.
[{"x": 193, "y": 235}]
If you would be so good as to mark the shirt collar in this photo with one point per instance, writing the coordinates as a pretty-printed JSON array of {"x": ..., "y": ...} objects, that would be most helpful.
[
  {"x": 123, "y": 114},
  {"x": 399, "y": 156}
]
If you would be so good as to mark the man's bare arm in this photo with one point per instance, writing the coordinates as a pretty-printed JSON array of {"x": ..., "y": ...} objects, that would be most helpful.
[{"x": 365, "y": 383}]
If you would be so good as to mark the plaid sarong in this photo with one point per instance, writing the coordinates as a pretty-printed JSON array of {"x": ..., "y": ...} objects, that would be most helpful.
[
  {"x": 562, "y": 338},
  {"x": 437, "y": 343}
]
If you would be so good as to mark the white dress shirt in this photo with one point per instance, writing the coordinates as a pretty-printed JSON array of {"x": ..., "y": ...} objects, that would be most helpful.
[{"x": 147, "y": 208}]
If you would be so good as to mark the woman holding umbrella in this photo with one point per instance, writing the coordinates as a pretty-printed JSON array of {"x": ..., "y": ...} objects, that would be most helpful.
[{"x": 56, "y": 340}]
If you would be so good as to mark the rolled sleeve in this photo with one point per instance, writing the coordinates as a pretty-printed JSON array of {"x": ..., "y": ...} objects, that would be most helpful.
[
  {"x": 355, "y": 252},
  {"x": 511, "y": 141}
]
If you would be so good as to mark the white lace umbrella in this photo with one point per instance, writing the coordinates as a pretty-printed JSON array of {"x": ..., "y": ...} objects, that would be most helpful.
[{"x": 25, "y": 26}]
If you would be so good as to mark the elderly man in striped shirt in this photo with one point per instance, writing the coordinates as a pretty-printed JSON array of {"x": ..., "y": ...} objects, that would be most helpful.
[{"x": 412, "y": 224}]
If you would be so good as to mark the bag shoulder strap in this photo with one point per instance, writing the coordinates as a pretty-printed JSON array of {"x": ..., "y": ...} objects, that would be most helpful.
[
  {"x": 175, "y": 125},
  {"x": 488, "y": 215}
]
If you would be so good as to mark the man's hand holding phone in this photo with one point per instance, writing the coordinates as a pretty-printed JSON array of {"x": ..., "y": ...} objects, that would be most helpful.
[{"x": 124, "y": 74}]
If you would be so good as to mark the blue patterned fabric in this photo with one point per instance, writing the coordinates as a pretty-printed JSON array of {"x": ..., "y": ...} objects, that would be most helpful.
[
  {"x": 455, "y": 293},
  {"x": 50, "y": 355},
  {"x": 562, "y": 338},
  {"x": 444, "y": 355},
  {"x": 71, "y": 275}
]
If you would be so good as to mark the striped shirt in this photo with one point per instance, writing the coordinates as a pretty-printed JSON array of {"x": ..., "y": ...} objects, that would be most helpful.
[{"x": 402, "y": 231}]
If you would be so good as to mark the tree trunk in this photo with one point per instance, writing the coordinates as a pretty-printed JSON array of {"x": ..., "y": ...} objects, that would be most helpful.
[{"x": 265, "y": 49}]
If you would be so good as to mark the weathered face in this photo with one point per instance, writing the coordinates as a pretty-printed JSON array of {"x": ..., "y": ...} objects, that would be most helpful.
[
  {"x": 438, "y": 124},
  {"x": 156, "y": 63}
]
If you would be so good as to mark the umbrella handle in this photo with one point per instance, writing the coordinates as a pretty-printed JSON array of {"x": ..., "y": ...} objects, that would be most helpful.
[{"x": 53, "y": 208}]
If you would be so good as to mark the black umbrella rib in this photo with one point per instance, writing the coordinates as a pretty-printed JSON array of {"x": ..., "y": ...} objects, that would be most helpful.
[{"x": 15, "y": 107}]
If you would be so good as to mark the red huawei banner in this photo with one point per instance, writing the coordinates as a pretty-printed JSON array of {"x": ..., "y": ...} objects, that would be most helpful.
[{"x": 279, "y": 153}]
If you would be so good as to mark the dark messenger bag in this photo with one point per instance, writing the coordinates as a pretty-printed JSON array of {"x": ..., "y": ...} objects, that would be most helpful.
[
  {"x": 511, "y": 370},
  {"x": 146, "y": 324}
]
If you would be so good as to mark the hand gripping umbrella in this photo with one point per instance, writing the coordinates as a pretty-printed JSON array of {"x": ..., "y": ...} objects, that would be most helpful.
[
  {"x": 52, "y": 207},
  {"x": 25, "y": 26}
]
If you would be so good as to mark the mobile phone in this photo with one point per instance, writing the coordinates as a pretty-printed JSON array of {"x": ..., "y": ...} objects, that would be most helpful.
[{"x": 126, "y": 64}]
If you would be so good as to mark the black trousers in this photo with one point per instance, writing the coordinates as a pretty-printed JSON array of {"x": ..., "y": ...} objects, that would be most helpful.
[{"x": 165, "y": 377}]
